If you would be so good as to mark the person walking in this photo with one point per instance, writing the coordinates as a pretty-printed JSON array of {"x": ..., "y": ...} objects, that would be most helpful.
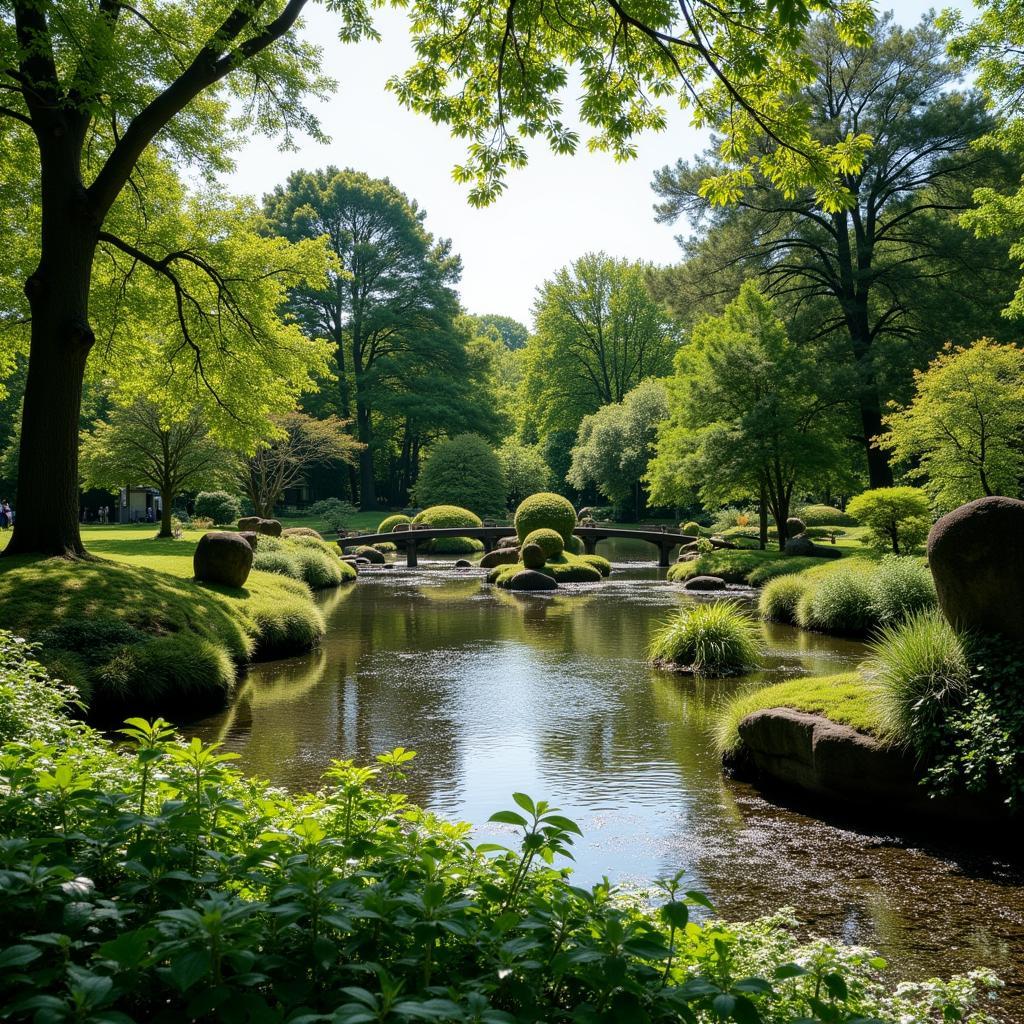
[{"x": 6, "y": 515}]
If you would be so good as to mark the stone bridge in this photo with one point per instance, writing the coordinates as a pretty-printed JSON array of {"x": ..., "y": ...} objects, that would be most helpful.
[{"x": 409, "y": 540}]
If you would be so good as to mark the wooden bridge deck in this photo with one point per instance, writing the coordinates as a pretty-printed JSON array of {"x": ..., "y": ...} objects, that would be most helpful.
[{"x": 663, "y": 539}]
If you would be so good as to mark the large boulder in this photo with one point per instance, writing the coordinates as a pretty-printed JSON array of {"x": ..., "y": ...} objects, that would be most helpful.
[
  {"x": 704, "y": 583},
  {"x": 370, "y": 554},
  {"x": 533, "y": 556},
  {"x": 803, "y": 547},
  {"x": 268, "y": 527},
  {"x": 224, "y": 558},
  {"x": 976, "y": 554},
  {"x": 251, "y": 537},
  {"x": 248, "y": 523},
  {"x": 500, "y": 556},
  {"x": 529, "y": 579}
]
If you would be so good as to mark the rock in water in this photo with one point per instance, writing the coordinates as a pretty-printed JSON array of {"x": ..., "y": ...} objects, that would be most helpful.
[
  {"x": 224, "y": 558},
  {"x": 705, "y": 583},
  {"x": 529, "y": 579},
  {"x": 976, "y": 554},
  {"x": 500, "y": 556},
  {"x": 463, "y": 563}
]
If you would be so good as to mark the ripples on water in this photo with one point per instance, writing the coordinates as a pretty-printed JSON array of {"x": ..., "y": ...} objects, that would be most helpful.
[{"x": 551, "y": 695}]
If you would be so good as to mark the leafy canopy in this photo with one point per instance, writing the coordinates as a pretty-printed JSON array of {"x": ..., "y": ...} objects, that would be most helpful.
[
  {"x": 464, "y": 471},
  {"x": 898, "y": 518}
]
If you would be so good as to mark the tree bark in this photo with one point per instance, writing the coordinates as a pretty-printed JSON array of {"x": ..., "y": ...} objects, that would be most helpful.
[
  {"x": 762, "y": 519},
  {"x": 367, "y": 489},
  {"x": 166, "y": 497}
]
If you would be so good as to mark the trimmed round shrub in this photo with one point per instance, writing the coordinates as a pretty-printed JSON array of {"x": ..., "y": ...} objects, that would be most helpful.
[
  {"x": 546, "y": 511},
  {"x": 794, "y": 527},
  {"x": 449, "y": 517},
  {"x": 691, "y": 528},
  {"x": 779, "y": 599},
  {"x": 839, "y": 602},
  {"x": 219, "y": 506},
  {"x": 301, "y": 531},
  {"x": 463, "y": 471},
  {"x": 717, "y": 639},
  {"x": 564, "y": 568},
  {"x": 921, "y": 667},
  {"x": 599, "y": 562},
  {"x": 825, "y": 515},
  {"x": 533, "y": 556},
  {"x": 371, "y": 554},
  {"x": 575, "y": 545},
  {"x": 388, "y": 525},
  {"x": 180, "y": 677},
  {"x": 549, "y": 541},
  {"x": 903, "y": 587}
]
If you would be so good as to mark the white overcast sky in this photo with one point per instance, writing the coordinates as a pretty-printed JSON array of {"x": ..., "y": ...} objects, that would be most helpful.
[{"x": 552, "y": 211}]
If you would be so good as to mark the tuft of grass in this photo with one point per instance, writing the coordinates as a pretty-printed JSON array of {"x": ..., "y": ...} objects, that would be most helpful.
[
  {"x": 717, "y": 639},
  {"x": 286, "y": 624},
  {"x": 840, "y": 603},
  {"x": 789, "y": 566},
  {"x": 780, "y": 597},
  {"x": 845, "y": 698},
  {"x": 920, "y": 666},
  {"x": 315, "y": 562},
  {"x": 276, "y": 561},
  {"x": 903, "y": 587}
]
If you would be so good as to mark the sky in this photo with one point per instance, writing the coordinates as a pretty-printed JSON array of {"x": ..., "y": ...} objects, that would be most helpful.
[{"x": 552, "y": 211}]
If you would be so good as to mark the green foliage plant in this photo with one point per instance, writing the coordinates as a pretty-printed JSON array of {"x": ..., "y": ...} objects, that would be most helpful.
[
  {"x": 563, "y": 568},
  {"x": 549, "y": 541},
  {"x": 545, "y": 511},
  {"x": 715, "y": 639},
  {"x": 204, "y": 872},
  {"x": 465, "y": 471},
  {"x": 840, "y": 602},
  {"x": 691, "y": 528},
  {"x": 824, "y": 515},
  {"x": 780, "y": 597},
  {"x": 388, "y": 524},
  {"x": 335, "y": 513},
  {"x": 788, "y": 566},
  {"x": 449, "y": 517},
  {"x": 599, "y": 562},
  {"x": 220, "y": 506},
  {"x": 898, "y": 518}
]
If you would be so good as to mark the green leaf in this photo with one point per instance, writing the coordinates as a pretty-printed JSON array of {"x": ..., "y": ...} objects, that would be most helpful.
[{"x": 508, "y": 818}]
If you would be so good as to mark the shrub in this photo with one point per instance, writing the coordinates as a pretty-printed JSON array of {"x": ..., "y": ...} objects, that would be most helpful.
[
  {"x": 898, "y": 518},
  {"x": 301, "y": 531},
  {"x": 333, "y": 512},
  {"x": 388, "y": 525},
  {"x": 691, "y": 528},
  {"x": 564, "y": 568},
  {"x": 464, "y": 471},
  {"x": 369, "y": 552},
  {"x": 779, "y": 600},
  {"x": 825, "y": 515},
  {"x": 839, "y": 602},
  {"x": 734, "y": 566},
  {"x": 385, "y": 547},
  {"x": 32, "y": 705},
  {"x": 902, "y": 586},
  {"x": 183, "y": 676},
  {"x": 229, "y": 885},
  {"x": 549, "y": 541},
  {"x": 286, "y": 624},
  {"x": 576, "y": 545},
  {"x": 716, "y": 639},
  {"x": 317, "y": 569},
  {"x": 546, "y": 511},
  {"x": 449, "y": 517},
  {"x": 794, "y": 527},
  {"x": 599, "y": 562},
  {"x": 921, "y": 669},
  {"x": 217, "y": 506},
  {"x": 280, "y": 561},
  {"x": 533, "y": 556}
]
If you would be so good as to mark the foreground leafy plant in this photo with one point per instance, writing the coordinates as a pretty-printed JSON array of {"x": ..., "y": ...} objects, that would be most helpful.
[{"x": 153, "y": 882}]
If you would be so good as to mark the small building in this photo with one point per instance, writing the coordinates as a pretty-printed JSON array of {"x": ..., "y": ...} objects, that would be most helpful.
[{"x": 139, "y": 505}]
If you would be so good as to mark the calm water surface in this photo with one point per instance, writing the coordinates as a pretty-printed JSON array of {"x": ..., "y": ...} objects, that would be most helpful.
[{"x": 551, "y": 695}]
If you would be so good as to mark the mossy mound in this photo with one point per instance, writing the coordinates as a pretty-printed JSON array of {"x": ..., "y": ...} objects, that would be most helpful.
[
  {"x": 388, "y": 525},
  {"x": 564, "y": 568},
  {"x": 301, "y": 531},
  {"x": 549, "y": 541},
  {"x": 599, "y": 562},
  {"x": 137, "y": 641},
  {"x": 385, "y": 547},
  {"x": 575, "y": 545},
  {"x": 545, "y": 511},
  {"x": 449, "y": 517},
  {"x": 691, "y": 529}
]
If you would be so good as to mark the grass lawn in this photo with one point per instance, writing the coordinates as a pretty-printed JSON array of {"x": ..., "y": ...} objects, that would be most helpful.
[{"x": 846, "y": 698}]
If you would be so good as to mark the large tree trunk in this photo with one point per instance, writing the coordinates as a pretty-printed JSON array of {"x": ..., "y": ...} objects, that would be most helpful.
[
  {"x": 367, "y": 490},
  {"x": 868, "y": 401},
  {"x": 61, "y": 338},
  {"x": 166, "y": 497}
]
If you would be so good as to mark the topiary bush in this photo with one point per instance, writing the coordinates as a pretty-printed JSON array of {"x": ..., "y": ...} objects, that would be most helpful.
[
  {"x": 549, "y": 541},
  {"x": 564, "y": 568},
  {"x": 780, "y": 597},
  {"x": 219, "y": 506},
  {"x": 546, "y": 511},
  {"x": 825, "y": 515},
  {"x": 463, "y": 471},
  {"x": 691, "y": 528},
  {"x": 301, "y": 531},
  {"x": 450, "y": 517},
  {"x": 715, "y": 639},
  {"x": 388, "y": 525}
]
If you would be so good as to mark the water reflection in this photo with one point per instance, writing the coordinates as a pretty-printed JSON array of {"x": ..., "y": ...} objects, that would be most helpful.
[{"x": 551, "y": 695}]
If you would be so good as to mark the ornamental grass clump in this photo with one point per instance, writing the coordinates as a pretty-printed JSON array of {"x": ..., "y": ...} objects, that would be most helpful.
[
  {"x": 716, "y": 639},
  {"x": 903, "y": 586},
  {"x": 840, "y": 602},
  {"x": 921, "y": 668},
  {"x": 780, "y": 597}
]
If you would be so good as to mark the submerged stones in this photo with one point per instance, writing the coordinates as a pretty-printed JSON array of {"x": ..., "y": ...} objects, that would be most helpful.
[
  {"x": 977, "y": 558},
  {"x": 224, "y": 558},
  {"x": 704, "y": 583}
]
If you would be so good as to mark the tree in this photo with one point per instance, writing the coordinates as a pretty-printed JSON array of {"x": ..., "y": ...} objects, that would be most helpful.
[
  {"x": 463, "y": 471},
  {"x": 899, "y": 518},
  {"x": 390, "y": 311},
  {"x": 881, "y": 269},
  {"x": 616, "y": 443},
  {"x": 300, "y": 442},
  {"x": 94, "y": 89},
  {"x": 963, "y": 433},
  {"x": 749, "y": 416},
  {"x": 524, "y": 469},
  {"x": 138, "y": 444},
  {"x": 598, "y": 334},
  {"x": 513, "y": 334}
]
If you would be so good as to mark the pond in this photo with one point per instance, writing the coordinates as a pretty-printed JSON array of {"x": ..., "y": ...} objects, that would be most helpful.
[{"x": 551, "y": 695}]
